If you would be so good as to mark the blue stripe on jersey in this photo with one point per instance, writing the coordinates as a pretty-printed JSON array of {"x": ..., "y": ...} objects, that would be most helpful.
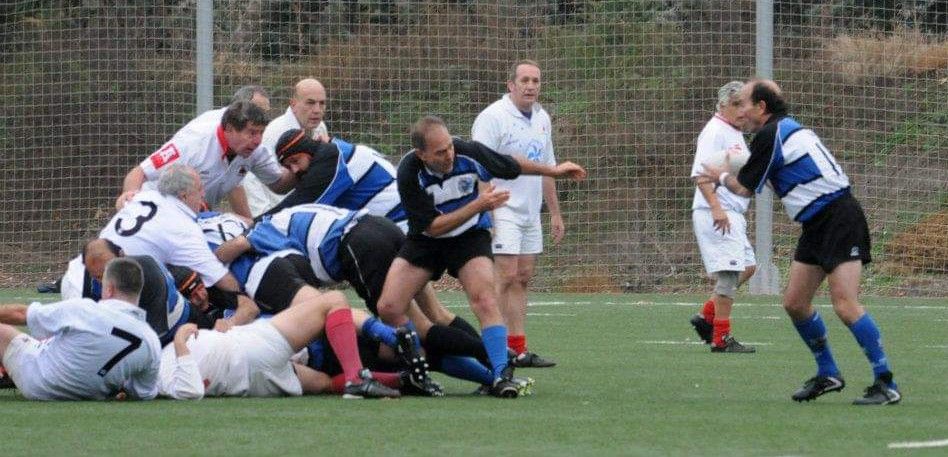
[
  {"x": 240, "y": 268},
  {"x": 329, "y": 248},
  {"x": 372, "y": 183},
  {"x": 817, "y": 205},
  {"x": 796, "y": 173},
  {"x": 462, "y": 165},
  {"x": 397, "y": 214},
  {"x": 267, "y": 239},
  {"x": 346, "y": 150},
  {"x": 298, "y": 229}
]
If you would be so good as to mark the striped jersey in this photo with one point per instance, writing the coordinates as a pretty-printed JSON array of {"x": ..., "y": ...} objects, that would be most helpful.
[
  {"x": 314, "y": 229},
  {"x": 349, "y": 176},
  {"x": 427, "y": 194},
  {"x": 800, "y": 169}
]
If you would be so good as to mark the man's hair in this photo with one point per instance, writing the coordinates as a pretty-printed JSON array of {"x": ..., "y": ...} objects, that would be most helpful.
[
  {"x": 728, "y": 93},
  {"x": 177, "y": 179},
  {"x": 246, "y": 93},
  {"x": 241, "y": 112},
  {"x": 125, "y": 274},
  {"x": 512, "y": 75},
  {"x": 767, "y": 92},
  {"x": 421, "y": 129},
  {"x": 112, "y": 247}
]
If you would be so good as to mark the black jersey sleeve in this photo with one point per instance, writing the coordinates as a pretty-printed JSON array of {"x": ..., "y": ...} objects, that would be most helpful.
[
  {"x": 754, "y": 172},
  {"x": 417, "y": 202},
  {"x": 498, "y": 165},
  {"x": 315, "y": 180},
  {"x": 154, "y": 296}
]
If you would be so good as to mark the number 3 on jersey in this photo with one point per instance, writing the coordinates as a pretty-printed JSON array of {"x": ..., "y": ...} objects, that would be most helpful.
[{"x": 139, "y": 220}]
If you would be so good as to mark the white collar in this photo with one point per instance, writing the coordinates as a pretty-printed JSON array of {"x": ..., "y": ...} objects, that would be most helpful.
[
  {"x": 509, "y": 104},
  {"x": 124, "y": 307}
]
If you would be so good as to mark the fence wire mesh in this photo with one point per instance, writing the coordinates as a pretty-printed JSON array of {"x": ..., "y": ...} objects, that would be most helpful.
[{"x": 91, "y": 88}]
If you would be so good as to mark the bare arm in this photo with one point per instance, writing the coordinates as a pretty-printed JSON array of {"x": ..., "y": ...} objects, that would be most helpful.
[
  {"x": 231, "y": 249},
  {"x": 561, "y": 170},
  {"x": 712, "y": 175},
  {"x": 557, "y": 227},
  {"x": 247, "y": 310},
  {"x": 130, "y": 186},
  {"x": 13, "y": 314},
  {"x": 286, "y": 182},
  {"x": 238, "y": 202},
  {"x": 487, "y": 200},
  {"x": 228, "y": 283},
  {"x": 718, "y": 214}
]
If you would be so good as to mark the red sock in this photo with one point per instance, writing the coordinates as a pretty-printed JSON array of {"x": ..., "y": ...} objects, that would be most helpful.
[
  {"x": 518, "y": 343},
  {"x": 341, "y": 333},
  {"x": 708, "y": 311},
  {"x": 721, "y": 327},
  {"x": 387, "y": 379}
]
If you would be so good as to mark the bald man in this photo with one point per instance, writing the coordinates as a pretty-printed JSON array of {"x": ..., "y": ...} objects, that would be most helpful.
[{"x": 306, "y": 111}]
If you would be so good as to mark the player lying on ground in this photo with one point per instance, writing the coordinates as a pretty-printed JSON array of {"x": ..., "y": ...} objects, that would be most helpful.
[{"x": 254, "y": 360}]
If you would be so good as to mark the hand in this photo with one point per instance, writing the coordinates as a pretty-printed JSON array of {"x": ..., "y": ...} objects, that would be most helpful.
[
  {"x": 557, "y": 228},
  {"x": 223, "y": 325},
  {"x": 491, "y": 199},
  {"x": 570, "y": 170},
  {"x": 124, "y": 198},
  {"x": 181, "y": 338},
  {"x": 323, "y": 138},
  {"x": 720, "y": 220}
]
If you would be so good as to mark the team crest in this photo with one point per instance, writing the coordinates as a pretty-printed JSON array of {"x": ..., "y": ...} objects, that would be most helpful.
[
  {"x": 169, "y": 153},
  {"x": 466, "y": 185}
]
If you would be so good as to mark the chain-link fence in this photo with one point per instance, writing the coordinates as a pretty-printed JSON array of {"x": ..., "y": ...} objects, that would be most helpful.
[{"x": 91, "y": 88}]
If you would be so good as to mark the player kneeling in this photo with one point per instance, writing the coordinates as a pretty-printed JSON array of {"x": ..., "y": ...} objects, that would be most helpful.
[{"x": 254, "y": 360}]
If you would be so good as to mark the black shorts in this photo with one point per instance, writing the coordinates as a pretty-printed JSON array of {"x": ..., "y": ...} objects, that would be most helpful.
[
  {"x": 278, "y": 286},
  {"x": 304, "y": 269},
  {"x": 366, "y": 253},
  {"x": 836, "y": 235},
  {"x": 439, "y": 254}
]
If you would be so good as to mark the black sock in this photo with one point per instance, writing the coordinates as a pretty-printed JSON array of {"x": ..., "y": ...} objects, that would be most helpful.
[{"x": 452, "y": 341}]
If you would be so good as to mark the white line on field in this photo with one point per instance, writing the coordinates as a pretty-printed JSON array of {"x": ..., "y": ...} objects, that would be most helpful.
[
  {"x": 551, "y": 314},
  {"x": 691, "y": 342},
  {"x": 696, "y": 305},
  {"x": 918, "y": 444},
  {"x": 936, "y": 346}
]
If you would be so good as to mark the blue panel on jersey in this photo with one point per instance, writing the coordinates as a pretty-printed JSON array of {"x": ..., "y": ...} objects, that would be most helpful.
[
  {"x": 346, "y": 149},
  {"x": 817, "y": 205},
  {"x": 397, "y": 214},
  {"x": 365, "y": 189},
  {"x": 267, "y": 239},
  {"x": 791, "y": 175},
  {"x": 298, "y": 231},
  {"x": 240, "y": 268},
  {"x": 329, "y": 248}
]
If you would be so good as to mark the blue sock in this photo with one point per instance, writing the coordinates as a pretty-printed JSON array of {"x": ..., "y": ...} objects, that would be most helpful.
[
  {"x": 868, "y": 336},
  {"x": 375, "y": 329},
  {"x": 411, "y": 326},
  {"x": 467, "y": 368},
  {"x": 495, "y": 343},
  {"x": 813, "y": 332}
]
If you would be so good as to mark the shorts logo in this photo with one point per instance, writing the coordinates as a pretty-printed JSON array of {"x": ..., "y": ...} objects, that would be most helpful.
[
  {"x": 167, "y": 154},
  {"x": 498, "y": 245},
  {"x": 854, "y": 252},
  {"x": 733, "y": 263}
]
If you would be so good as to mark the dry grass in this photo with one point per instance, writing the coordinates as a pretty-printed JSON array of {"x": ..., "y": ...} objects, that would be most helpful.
[
  {"x": 904, "y": 52},
  {"x": 923, "y": 247}
]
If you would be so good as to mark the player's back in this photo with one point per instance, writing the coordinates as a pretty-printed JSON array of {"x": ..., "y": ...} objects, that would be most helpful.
[{"x": 93, "y": 350}]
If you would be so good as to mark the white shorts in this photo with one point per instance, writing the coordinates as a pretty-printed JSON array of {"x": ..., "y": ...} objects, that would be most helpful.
[
  {"x": 21, "y": 360},
  {"x": 719, "y": 251},
  {"x": 513, "y": 238},
  {"x": 269, "y": 370}
]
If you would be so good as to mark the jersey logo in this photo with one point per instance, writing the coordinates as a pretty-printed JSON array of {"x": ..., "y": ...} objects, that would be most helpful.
[
  {"x": 854, "y": 252},
  {"x": 242, "y": 171},
  {"x": 167, "y": 154},
  {"x": 466, "y": 185}
]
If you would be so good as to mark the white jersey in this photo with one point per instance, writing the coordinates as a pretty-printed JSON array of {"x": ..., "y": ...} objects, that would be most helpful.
[
  {"x": 503, "y": 128},
  {"x": 92, "y": 350},
  {"x": 250, "y": 360},
  {"x": 718, "y": 135},
  {"x": 165, "y": 229},
  {"x": 259, "y": 196},
  {"x": 202, "y": 145},
  {"x": 74, "y": 280}
]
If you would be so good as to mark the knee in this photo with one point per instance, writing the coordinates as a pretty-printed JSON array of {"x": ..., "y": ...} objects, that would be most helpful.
[
  {"x": 483, "y": 302},
  {"x": 524, "y": 275},
  {"x": 795, "y": 308},
  {"x": 507, "y": 277},
  {"x": 334, "y": 300}
]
